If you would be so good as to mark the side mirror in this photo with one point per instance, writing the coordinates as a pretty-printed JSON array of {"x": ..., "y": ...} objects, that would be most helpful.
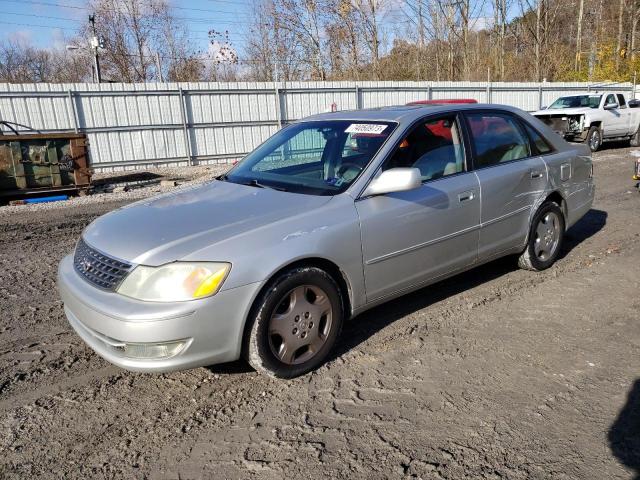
[
  {"x": 611, "y": 106},
  {"x": 394, "y": 180}
]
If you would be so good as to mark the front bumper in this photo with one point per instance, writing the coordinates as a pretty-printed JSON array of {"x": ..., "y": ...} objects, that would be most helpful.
[{"x": 210, "y": 328}]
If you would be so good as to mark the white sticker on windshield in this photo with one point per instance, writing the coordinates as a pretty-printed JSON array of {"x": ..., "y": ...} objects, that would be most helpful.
[{"x": 370, "y": 128}]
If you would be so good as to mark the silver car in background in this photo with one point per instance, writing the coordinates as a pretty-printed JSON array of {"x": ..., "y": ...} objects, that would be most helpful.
[{"x": 331, "y": 216}]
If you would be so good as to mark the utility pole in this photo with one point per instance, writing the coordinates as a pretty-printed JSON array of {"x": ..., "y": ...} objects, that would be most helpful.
[
  {"x": 159, "y": 67},
  {"x": 421, "y": 39},
  {"x": 95, "y": 44}
]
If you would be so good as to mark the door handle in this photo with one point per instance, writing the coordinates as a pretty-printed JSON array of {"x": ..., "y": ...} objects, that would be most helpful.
[
  {"x": 465, "y": 196},
  {"x": 536, "y": 174}
]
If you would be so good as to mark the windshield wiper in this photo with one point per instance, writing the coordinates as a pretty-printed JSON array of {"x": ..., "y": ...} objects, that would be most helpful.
[{"x": 255, "y": 183}]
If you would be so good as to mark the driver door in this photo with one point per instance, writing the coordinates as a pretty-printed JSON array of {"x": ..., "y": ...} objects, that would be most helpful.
[
  {"x": 614, "y": 123},
  {"x": 416, "y": 236}
]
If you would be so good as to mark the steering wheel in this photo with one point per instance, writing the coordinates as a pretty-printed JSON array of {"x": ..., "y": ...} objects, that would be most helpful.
[{"x": 347, "y": 165}]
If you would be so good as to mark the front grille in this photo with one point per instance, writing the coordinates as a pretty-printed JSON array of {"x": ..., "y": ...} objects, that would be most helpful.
[{"x": 99, "y": 269}]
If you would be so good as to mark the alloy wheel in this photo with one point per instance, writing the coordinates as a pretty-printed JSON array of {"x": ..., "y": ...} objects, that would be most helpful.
[
  {"x": 300, "y": 324},
  {"x": 547, "y": 236}
]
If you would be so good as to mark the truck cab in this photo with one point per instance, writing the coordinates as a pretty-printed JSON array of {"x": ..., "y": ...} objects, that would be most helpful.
[{"x": 594, "y": 118}]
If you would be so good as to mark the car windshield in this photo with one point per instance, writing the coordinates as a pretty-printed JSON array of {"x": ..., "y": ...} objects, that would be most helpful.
[
  {"x": 577, "y": 101},
  {"x": 316, "y": 158}
]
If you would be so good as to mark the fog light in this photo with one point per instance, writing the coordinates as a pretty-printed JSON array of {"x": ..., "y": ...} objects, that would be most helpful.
[{"x": 152, "y": 350}]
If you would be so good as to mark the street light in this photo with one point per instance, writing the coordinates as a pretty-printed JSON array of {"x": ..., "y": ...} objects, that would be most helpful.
[{"x": 95, "y": 44}]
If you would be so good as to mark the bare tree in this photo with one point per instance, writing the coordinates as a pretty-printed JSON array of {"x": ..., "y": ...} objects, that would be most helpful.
[
  {"x": 304, "y": 19},
  {"x": 134, "y": 31},
  {"x": 272, "y": 52},
  {"x": 344, "y": 39},
  {"x": 20, "y": 62},
  {"x": 369, "y": 13}
]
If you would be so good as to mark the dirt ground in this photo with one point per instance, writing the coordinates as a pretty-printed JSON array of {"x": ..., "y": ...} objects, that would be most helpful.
[{"x": 497, "y": 373}]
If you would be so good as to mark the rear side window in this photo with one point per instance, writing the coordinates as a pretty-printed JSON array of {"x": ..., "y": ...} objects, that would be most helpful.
[
  {"x": 621, "y": 101},
  {"x": 539, "y": 144},
  {"x": 496, "y": 138}
]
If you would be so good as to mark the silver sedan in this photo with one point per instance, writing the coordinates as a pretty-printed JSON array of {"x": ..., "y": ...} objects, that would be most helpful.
[{"x": 331, "y": 216}]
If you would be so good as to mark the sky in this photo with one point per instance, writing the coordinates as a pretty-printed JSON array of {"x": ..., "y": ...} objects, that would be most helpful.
[
  {"x": 50, "y": 23},
  {"x": 46, "y": 23}
]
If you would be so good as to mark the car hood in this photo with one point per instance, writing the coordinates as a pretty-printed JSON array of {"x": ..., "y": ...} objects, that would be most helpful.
[
  {"x": 168, "y": 227},
  {"x": 561, "y": 112}
]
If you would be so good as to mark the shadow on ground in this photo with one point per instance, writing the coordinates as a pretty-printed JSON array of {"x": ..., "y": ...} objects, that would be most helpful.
[
  {"x": 360, "y": 328},
  {"x": 587, "y": 226},
  {"x": 127, "y": 177},
  {"x": 614, "y": 145},
  {"x": 624, "y": 434}
]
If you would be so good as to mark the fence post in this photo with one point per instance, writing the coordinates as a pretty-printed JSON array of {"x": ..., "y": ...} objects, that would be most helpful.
[
  {"x": 72, "y": 103},
  {"x": 185, "y": 127},
  {"x": 279, "y": 116},
  {"x": 488, "y": 92},
  {"x": 429, "y": 92},
  {"x": 358, "y": 98},
  {"x": 540, "y": 96}
]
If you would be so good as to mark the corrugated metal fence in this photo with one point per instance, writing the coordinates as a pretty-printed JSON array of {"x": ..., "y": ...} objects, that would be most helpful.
[{"x": 136, "y": 125}]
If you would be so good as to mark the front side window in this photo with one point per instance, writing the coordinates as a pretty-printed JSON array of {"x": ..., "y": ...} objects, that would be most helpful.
[
  {"x": 496, "y": 138},
  {"x": 610, "y": 99},
  {"x": 317, "y": 158},
  {"x": 433, "y": 146}
]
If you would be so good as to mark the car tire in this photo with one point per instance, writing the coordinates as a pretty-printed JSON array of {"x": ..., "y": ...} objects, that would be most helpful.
[
  {"x": 635, "y": 140},
  {"x": 594, "y": 138},
  {"x": 294, "y": 323},
  {"x": 546, "y": 235}
]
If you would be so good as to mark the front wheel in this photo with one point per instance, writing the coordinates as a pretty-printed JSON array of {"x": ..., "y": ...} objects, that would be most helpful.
[
  {"x": 545, "y": 238},
  {"x": 295, "y": 323},
  {"x": 594, "y": 138}
]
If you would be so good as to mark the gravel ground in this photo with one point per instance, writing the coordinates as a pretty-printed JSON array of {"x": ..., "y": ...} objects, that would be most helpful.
[
  {"x": 496, "y": 373},
  {"x": 126, "y": 187}
]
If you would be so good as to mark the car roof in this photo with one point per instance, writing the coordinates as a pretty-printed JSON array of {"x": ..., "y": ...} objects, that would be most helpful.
[
  {"x": 591, "y": 93},
  {"x": 405, "y": 113}
]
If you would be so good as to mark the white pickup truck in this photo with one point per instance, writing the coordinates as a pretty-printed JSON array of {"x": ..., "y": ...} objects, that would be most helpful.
[{"x": 594, "y": 118}]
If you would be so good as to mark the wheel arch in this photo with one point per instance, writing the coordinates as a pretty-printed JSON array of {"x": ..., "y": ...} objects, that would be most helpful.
[
  {"x": 557, "y": 197},
  {"x": 552, "y": 196},
  {"x": 336, "y": 273}
]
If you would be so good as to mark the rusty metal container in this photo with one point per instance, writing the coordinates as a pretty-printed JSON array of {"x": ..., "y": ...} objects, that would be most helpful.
[{"x": 34, "y": 163}]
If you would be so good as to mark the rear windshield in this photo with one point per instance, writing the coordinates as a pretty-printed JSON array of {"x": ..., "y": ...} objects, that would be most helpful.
[{"x": 316, "y": 158}]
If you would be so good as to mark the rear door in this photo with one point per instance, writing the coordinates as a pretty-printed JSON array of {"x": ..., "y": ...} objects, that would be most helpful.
[
  {"x": 512, "y": 177},
  {"x": 625, "y": 116}
]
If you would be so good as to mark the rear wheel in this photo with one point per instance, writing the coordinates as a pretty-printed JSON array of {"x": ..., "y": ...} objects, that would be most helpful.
[
  {"x": 295, "y": 323},
  {"x": 545, "y": 238},
  {"x": 594, "y": 138}
]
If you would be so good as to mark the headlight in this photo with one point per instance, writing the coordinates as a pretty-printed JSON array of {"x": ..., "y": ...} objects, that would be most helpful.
[{"x": 175, "y": 282}]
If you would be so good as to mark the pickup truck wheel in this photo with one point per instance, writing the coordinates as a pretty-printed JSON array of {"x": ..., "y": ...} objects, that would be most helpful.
[
  {"x": 594, "y": 138},
  {"x": 635, "y": 140},
  {"x": 294, "y": 323},
  {"x": 545, "y": 238}
]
